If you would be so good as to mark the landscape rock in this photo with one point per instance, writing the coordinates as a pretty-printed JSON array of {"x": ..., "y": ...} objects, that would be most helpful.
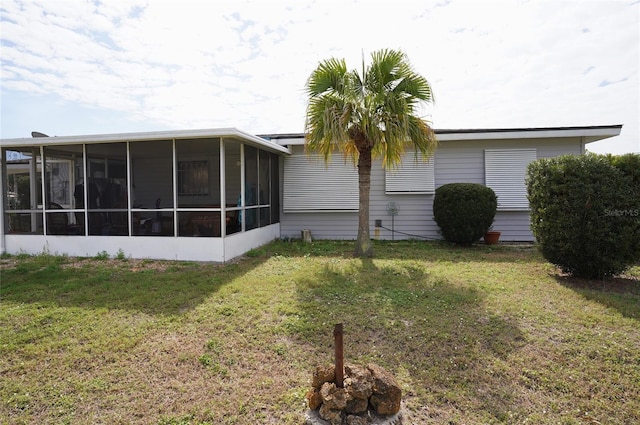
[
  {"x": 323, "y": 374},
  {"x": 333, "y": 416},
  {"x": 314, "y": 399},
  {"x": 357, "y": 405},
  {"x": 387, "y": 394},
  {"x": 356, "y": 420},
  {"x": 358, "y": 382},
  {"x": 333, "y": 397},
  {"x": 371, "y": 396}
]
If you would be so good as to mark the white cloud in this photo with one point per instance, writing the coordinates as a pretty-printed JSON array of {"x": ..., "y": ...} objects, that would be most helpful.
[{"x": 244, "y": 63}]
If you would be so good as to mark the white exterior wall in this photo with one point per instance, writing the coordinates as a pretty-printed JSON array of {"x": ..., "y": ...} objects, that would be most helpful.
[
  {"x": 153, "y": 247},
  {"x": 455, "y": 161}
]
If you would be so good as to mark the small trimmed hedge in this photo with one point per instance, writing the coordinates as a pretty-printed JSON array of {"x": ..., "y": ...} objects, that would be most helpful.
[
  {"x": 585, "y": 212},
  {"x": 464, "y": 211}
]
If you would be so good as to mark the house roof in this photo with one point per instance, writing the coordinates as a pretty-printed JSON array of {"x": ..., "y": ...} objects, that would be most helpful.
[
  {"x": 277, "y": 142},
  {"x": 231, "y": 133},
  {"x": 589, "y": 133}
]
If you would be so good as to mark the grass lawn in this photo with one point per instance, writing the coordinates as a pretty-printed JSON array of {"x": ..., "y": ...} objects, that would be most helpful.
[{"x": 478, "y": 335}]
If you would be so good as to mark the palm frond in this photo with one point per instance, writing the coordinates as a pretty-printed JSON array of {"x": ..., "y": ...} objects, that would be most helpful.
[
  {"x": 376, "y": 107},
  {"x": 328, "y": 76}
]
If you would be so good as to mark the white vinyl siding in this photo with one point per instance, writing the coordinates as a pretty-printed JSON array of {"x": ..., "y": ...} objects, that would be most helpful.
[
  {"x": 414, "y": 175},
  {"x": 310, "y": 184},
  {"x": 505, "y": 171}
]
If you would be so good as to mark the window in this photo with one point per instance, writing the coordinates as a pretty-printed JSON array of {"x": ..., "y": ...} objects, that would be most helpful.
[
  {"x": 193, "y": 178},
  {"x": 310, "y": 184},
  {"x": 251, "y": 189},
  {"x": 22, "y": 172},
  {"x": 151, "y": 189},
  {"x": 106, "y": 190},
  {"x": 64, "y": 185},
  {"x": 505, "y": 171},
  {"x": 414, "y": 175},
  {"x": 275, "y": 188},
  {"x": 264, "y": 188}
]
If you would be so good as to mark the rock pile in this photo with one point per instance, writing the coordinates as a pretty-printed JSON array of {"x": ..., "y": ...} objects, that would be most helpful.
[{"x": 370, "y": 395}]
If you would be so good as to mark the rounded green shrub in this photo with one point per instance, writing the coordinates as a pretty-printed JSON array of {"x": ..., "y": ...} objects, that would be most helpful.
[
  {"x": 464, "y": 211},
  {"x": 585, "y": 212}
]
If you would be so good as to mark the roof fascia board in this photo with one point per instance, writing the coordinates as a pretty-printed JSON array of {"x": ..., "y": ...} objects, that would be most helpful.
[
  {"x": 278, "y": 143},
  {"x": 145, "y": 136},
  {"x": 589, "y": 133},
  {"x": 289, "y": 141}
]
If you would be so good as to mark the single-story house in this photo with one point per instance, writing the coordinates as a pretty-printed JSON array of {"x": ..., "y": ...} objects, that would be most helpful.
[{"x": 213, "y": 194}]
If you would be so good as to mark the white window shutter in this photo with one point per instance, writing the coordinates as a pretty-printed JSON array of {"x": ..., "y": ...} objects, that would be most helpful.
[
  {"x": 414, "y": 175},
  {"x": 310, "y": 184},
  {"x": 505, "y": 171}
]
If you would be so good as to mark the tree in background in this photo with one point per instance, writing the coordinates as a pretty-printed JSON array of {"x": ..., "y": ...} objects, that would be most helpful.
[{"x": 365, "y": 115}]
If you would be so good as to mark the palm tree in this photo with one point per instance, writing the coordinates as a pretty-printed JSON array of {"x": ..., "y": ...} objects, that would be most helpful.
[{"x": 368, "y": 115}]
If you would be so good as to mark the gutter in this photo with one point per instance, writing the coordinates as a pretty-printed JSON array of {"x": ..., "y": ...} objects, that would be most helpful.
[
  {"x": 231, "y": 133},
  {"x": 587, "y": 134}
]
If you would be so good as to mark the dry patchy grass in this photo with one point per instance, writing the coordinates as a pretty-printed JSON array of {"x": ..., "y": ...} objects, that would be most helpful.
[{"x": 476, "y": 335}]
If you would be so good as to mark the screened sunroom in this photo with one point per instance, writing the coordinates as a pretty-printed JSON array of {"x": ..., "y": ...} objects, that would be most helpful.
[{"x": 206, "y": 195}]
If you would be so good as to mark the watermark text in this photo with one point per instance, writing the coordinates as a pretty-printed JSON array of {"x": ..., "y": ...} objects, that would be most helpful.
[{"x": 622, "y": 213}]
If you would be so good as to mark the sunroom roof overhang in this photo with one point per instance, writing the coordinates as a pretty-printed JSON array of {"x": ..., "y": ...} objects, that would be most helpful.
[{"x": 231, "y": 133}]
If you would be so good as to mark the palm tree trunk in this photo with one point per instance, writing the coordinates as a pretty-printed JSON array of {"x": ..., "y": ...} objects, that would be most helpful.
[{"x": 364, "y": 247}]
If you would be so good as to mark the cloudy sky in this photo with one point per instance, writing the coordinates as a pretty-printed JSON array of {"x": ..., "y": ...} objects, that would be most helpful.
[{"x": 73, "y": 67}]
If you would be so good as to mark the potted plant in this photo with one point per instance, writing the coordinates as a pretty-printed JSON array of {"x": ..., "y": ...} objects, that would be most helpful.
[{"x": 491, "y": 237}]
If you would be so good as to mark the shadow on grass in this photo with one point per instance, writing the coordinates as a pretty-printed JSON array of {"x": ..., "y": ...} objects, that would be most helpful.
[
  {"x": 435, "y": 336},
  {"x": 619, "y": 293},
  {"x": 407, "y": 250},
  {"x": 150, "y": 287}
]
